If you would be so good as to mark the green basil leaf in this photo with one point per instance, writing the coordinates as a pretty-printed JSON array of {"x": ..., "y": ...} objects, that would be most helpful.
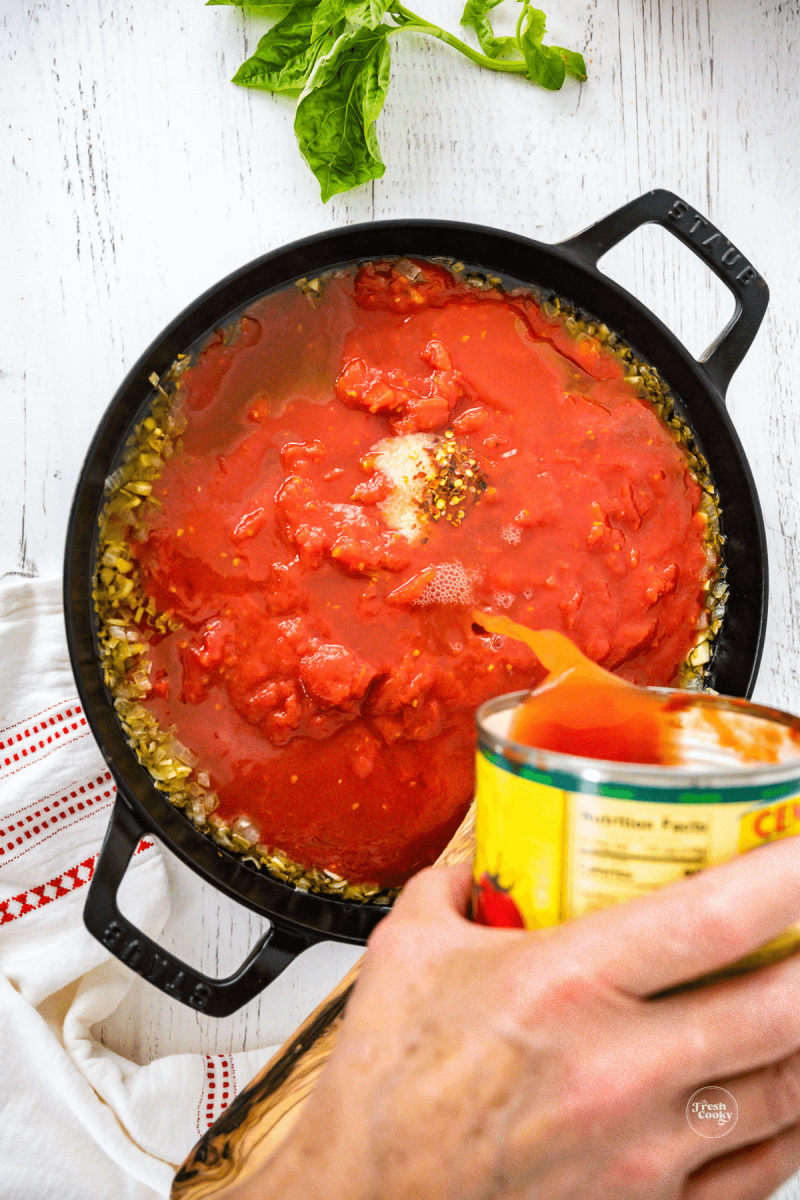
[
  {"x": 476, "y": 16},
  {"x": 546, "y": 65},
  {"x": 336, "y": 114},
  {"x": 366, "y": 13},
  {"x": 576, "y": 67},
  {"x": 327, "y": 14},
  {"x": 535, "y": 26},
  {"x": 285, "y": 57}
]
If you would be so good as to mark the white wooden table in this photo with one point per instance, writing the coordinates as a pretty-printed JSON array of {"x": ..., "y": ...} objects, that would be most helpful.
[{"x": 133, "y": 175}]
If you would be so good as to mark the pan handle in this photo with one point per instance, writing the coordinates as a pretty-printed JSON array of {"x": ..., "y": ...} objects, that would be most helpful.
[
  {"x": 695, "y": 231},
  {"x": 102, "y": 917}
]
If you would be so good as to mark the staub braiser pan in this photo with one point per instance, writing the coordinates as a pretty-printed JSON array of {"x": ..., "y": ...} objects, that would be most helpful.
[{"x": 568, "y": 269}]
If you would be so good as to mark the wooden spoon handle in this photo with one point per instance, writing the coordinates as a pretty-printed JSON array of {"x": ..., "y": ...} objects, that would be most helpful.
[{"x": 240, "y": 1142}]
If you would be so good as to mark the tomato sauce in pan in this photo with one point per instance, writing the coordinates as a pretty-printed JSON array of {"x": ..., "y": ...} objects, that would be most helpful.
[{"x": 355, "y": 478}]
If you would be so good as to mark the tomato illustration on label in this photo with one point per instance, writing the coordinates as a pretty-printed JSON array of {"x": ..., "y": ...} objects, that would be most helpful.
[{"x": 493, "y": 904}]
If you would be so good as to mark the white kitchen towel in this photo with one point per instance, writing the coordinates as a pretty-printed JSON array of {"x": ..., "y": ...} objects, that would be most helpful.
[{"x": 77, "y": 1121}]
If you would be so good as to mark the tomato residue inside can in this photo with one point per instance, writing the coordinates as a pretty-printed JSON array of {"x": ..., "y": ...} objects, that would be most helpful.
[{"x": 587, "y": 712}]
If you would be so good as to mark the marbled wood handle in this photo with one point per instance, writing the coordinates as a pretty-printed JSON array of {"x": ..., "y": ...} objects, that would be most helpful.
[{"x": 240, "y": 1142}]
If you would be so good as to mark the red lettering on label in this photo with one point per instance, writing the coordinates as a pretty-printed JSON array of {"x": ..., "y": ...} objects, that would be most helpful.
[{"x": 758, "y": 824}]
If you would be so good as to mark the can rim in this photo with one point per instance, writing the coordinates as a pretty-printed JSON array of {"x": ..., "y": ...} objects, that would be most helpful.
[{"x": 678, "y": 784}]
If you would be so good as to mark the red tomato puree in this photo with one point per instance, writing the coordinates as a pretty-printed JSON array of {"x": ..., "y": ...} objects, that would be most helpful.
[
  {"x": 583, "y": 710},
  {"x": 327, "y": 668}
]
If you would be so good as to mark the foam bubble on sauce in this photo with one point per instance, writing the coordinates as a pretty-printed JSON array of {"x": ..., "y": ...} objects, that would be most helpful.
[
  {"x": 503, "y": 599},
  {"x": 453, "y": 584},
  {"x": 407, "y": 462},
  {"x": 511, "y": 534}
]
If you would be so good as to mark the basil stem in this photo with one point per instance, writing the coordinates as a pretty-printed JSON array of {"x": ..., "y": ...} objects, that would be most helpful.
[{"x": 414, "y": 24}]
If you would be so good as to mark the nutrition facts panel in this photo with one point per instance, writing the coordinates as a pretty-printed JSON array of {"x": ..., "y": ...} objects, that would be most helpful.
[{"x": 612, "y": 854}]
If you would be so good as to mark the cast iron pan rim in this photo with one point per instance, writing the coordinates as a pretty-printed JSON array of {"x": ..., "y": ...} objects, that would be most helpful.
[{"x": 345, "y": 920}]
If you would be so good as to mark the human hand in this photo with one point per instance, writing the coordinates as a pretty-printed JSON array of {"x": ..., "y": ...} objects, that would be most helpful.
[{"x": 477, "y": 1063}]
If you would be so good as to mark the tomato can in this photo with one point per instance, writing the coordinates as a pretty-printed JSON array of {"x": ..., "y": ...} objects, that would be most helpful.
[{"x": 558, "y": 836}]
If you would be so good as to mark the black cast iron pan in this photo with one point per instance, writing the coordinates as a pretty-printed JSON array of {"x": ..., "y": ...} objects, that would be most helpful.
[{"x": 569, "y": 269}]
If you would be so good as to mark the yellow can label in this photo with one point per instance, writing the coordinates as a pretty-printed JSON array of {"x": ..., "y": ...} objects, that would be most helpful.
[
  {"x": 769, "y": 823},
  {"x": 553, "y": 852}
]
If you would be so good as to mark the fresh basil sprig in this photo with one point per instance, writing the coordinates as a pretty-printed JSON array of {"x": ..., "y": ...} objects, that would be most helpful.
[
  {"x": 334, "y": 56},
  {"x": 546, "y": 65},
  {"x": 336, "y": 113}
]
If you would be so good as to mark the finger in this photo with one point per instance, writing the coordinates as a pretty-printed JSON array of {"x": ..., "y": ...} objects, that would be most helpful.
[
  {"x": 753, "y": 1173},
  {"x": 758, "y": 1106},
  {"x": 734, "y": 1026},
  {"x": 427, "y": 922},
  {"x": 434, "y": 892},
  {"x": 694, "y": 926}
]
